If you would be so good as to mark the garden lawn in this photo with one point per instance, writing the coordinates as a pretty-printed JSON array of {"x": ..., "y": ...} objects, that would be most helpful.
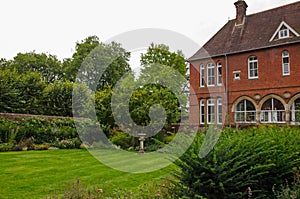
[{"x": 38, "y": 174}]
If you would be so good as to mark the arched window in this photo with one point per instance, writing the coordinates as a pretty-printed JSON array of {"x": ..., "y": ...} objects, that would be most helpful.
[
  {"x": 245, "y": 112},
  {"x": 285, "y": 63},
  {"x": 219, "y": 74},
  {"x": 272, "y": 111},
  {"x": 252, "y": 67},
  {"x": 295, "y": 111}
]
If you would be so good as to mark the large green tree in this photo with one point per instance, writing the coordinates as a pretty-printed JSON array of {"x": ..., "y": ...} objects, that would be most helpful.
[
  {"x": 162, "y": 78},
  {"x": 92, "y": 56},
  {"x": 48, "y": 66},
  {"x": 161, "y": 54}
]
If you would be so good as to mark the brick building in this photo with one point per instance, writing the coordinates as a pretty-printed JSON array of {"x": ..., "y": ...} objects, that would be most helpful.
[{"x": 249, "y": 71}]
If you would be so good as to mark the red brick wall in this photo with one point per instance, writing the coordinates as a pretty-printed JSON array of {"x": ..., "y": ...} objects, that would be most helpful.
[{"x": 270, "y": 80}]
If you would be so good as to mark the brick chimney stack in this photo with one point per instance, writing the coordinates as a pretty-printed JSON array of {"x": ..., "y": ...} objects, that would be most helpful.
[{"x": 241, "y": 8}]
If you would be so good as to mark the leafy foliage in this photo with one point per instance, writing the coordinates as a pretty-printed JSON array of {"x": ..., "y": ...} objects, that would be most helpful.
[
  {"x": 161, "y": 54},
  {"x": 246, "y": 163},
  {"x": 60, "y": 133}
]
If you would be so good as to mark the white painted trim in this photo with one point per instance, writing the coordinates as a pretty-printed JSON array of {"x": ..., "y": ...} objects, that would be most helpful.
[{"x": 279, "y": 27}]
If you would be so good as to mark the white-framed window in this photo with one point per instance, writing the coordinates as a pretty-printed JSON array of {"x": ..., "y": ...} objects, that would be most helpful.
[
  {"x": 219, "y": 74},
  {"x": 245, "y": 112},
  {"x": 285, "y": 63},
  {"x": 210, "y": 111},
  {"x": 202, "y": 80},
  {"x": 252, "y": 67},
  {"x": 202, "y": 113},
  {"x": 295, "y": 112},
  {"x": 272, "y": 111},
  {"x": 219, "y": 111},
  {"x": 237, "y": 75},
  {"x": 210, "y": 74},
  {"x": 284, "y": 33}
]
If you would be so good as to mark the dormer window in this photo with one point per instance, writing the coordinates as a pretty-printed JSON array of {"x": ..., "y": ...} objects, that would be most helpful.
[
  {"x": 283, "y": 34},
  {"x": 284, "y": 31}
]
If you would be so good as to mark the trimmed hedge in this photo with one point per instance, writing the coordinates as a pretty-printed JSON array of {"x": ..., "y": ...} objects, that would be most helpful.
[{"x": 249, "y": 163}]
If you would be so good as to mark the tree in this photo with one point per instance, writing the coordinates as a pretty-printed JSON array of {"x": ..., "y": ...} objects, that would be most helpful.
[
  {"x": 103, "y": 109},
  {"x": 48, "y": 66},
  {"x": 82, "y": 50},
  {"x": 160, "y": 54},
  {"x": 161, "y": 82},
  {"x": 92, "y": 57}
]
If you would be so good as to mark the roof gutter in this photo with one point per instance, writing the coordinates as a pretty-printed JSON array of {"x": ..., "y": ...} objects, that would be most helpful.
[{"x": 242, "y": 51}]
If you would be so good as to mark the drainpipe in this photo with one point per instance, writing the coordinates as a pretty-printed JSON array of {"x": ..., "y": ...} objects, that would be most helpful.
[{"x": 226, "y": 88}]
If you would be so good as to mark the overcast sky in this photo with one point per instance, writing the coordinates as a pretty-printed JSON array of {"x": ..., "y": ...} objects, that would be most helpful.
[{"x": 54, "y": 26}]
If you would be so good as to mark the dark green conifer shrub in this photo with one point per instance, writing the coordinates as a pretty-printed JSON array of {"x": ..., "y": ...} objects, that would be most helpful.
[{"x": 244, "y": 164}]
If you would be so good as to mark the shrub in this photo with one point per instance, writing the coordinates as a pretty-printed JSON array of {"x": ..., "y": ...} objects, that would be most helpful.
[
  {"x": 41, "y": 147},
  {"x": 289, "y": 191},
  {"x": 7, "y": 130},
  {"x": 15, "y": 135},
  {"x": 24, "y": 145},
  {"x": 67, "y": 144},
  {"x": 122, "y": 140},
  {"x": 6, "y": 147},
  {"x": 244, "y": 164}
]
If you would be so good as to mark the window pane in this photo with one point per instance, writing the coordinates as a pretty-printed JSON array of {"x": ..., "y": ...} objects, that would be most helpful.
[
  {"x": 241, "y": 106},
  {"x": 253, "y": 67},
  {"x": 249, "y": 106},
  {"x": 210, "y": 74},
  {"x": 210, "y": 111}
]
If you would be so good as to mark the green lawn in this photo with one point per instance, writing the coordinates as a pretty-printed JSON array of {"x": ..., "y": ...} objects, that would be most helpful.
[{"x": 37, "y": 174}]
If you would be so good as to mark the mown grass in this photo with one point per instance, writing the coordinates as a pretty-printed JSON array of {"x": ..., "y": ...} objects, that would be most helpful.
[{"x": 38, "y": 174}]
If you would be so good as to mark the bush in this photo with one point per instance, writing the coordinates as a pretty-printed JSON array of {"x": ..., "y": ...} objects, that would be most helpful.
[
  {"x": 68, "y": 144},
  {"x": 24, "y": 145},
  {"x": 15, "y": 135},
  {"x": 287, "y": 191},
  {"x": 244, "y": 164},
  {"x": 122, "y": 140},
  {"x": 6, "y": 147},
  {"x": 7, "y": 130}
]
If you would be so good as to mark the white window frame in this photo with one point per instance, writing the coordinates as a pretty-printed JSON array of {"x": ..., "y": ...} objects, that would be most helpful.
[
  {"x": 202, "y": 76},
  {"x": 236, "y": 75},
  {"x": 219, "y": 74},
  {"x": 284, "y": 33},
  {"x": 285, "y": 66},
  {"x": 219, "y": 111},
  {"x": 210, "y": 80},
  {"x": 245, "y": 113},
  {"x": 273, "y": 114},
  {"x": 202, "y": 111},
  {"x": 252, "y": 62},
  {"x": 211, "y": 115},
  {"x": 295, "y": 113}
]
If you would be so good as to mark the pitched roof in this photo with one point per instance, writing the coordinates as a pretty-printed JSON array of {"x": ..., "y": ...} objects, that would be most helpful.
[{"x": 256, "y": 33}]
